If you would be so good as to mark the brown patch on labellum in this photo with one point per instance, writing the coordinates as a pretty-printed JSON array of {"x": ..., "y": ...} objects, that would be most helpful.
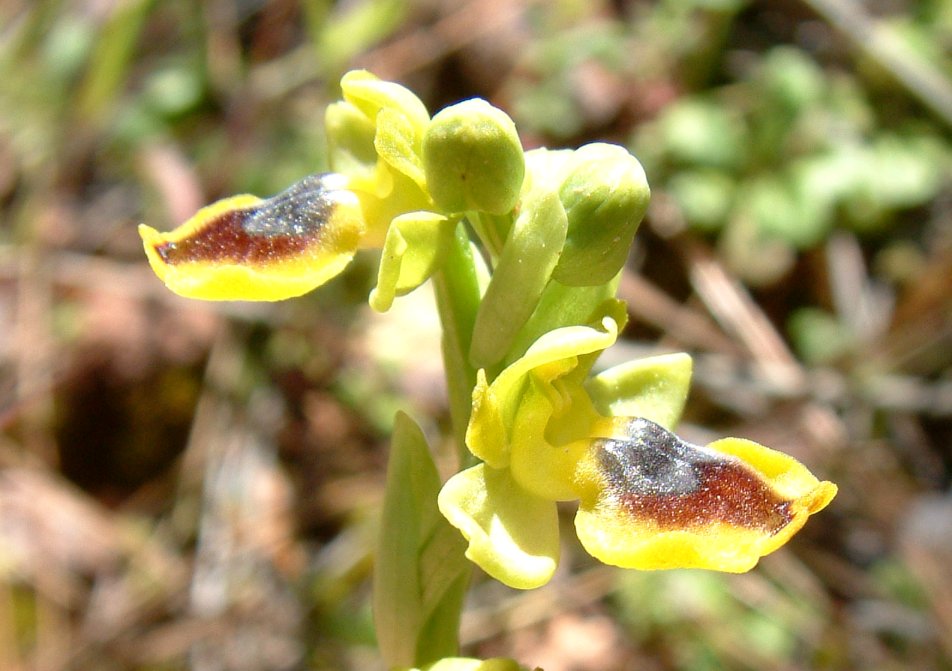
[
  {"x": 667, "y": 482},
  {"x": 278, "y": 228}
]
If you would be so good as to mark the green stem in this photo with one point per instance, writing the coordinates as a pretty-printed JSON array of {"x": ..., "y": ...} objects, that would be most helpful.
[
  {"x": 457, "y": 298},
  {"x": 487, "y": 234}
]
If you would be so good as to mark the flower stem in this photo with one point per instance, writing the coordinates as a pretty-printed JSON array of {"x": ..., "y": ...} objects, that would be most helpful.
[{"x": 457, "y": 298}]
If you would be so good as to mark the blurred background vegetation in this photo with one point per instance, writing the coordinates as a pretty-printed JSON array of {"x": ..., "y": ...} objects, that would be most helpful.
[{"x": 195, "y": 486}]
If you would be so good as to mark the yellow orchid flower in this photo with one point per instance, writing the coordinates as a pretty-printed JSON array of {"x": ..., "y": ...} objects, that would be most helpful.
[
  {"x": 248, "y": 248},
  {"x": 647, "y": 499}
]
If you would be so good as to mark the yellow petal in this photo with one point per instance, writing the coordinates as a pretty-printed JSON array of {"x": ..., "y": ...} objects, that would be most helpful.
[
  {"x": 538, "y": 466},
  {"x": 486, "y": 435},
  {"x": 653, "y": 501},
  {"x": 246, "y": 248}
]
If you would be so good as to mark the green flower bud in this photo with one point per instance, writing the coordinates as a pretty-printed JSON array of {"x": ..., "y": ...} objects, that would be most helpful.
[
  {"x": 473, "y": 159},
  {"x": 605, "y": 194}
]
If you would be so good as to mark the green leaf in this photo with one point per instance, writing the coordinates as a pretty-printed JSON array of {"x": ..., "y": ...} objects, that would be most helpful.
[
  {"x": 819, "y": 337},
  {"x": 703, "y": 196},
  {"x": 905, "y": 171},
  {"x": 525, "y": 266},
  {"x": 757, "y": 258},
  {"x": 781, "y": 210},
  {"x": 697, "y": 131},
  {"x": 111, "y": 59},
  {"x": 791, "y": 78},
  {"x": 420, "y": 574},
  {"x": 351, "y": 29}
]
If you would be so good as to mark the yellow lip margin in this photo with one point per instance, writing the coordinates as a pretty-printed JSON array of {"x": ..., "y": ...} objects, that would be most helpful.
[{"x": 323, "y": 258}]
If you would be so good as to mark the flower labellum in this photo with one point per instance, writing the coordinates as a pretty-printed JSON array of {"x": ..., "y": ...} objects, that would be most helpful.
[
  {"x": 246, "y": 248},
  {"x": 666, "y": 503}
]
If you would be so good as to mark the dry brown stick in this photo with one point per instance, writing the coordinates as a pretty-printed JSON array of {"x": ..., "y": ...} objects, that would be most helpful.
[
  {"x": 242, "y": 522},
  {"x": 740, "y": 316},
  {"x": 864, "y": 307},
  {"x": 687, "y": 326},
  {"x": 734, "y": 309}
]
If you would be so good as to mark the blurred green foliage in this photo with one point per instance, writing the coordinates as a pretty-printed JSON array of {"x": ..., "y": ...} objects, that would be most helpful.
[{"x": 768, "y": 147}]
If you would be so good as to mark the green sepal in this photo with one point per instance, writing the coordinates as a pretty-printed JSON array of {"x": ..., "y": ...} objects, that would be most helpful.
[
  {"x": 419, "y": 574},
  {"x": 524, "y": 268},
  {"x": 415, "y": 245},
  {"x": 513, "y": 535},
  {"x": 654, "y": 388}
]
